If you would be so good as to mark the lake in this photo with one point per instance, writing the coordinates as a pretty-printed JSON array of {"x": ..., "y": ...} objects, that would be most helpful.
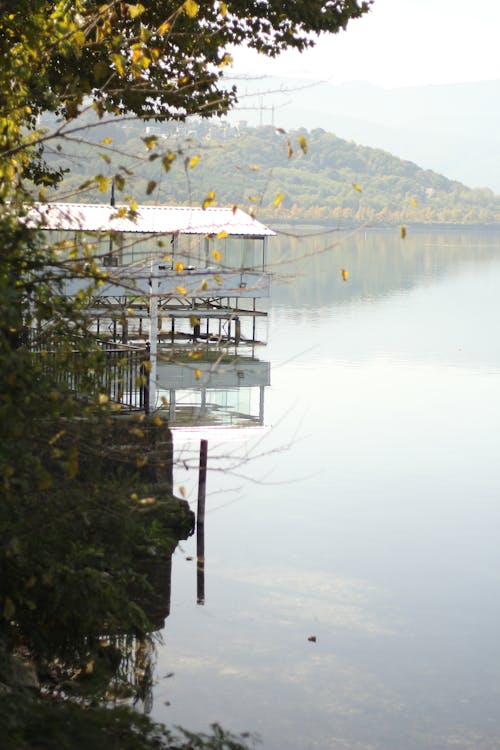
[{"x": 363, "y": 513}]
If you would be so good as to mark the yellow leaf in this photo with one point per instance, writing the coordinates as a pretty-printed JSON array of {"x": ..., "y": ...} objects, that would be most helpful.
[
  {"x": 103, "y": 398},
  {"x": 194, "y": 161},
  {"x": 106, "y": 141},
  {"x": 102, "y": 183},
  {"x": 150, "y": 141},
  {"x": 179, "y": 267},
  {"x": 157, "y": 420},
  {"x": 167, "y": 161},
  {"x": 208, "y": 200},
  {"x": 222, "y": 235},
  {"x": 413, "y": 202},
  {"x": 344, "y": 273},
  {"x": 254, "y": 198},
  {"x": 181, "y": 289},
  {"x": 163, "y": 28},
  {"x": 223, "y": 9},
  {"x": 182, "y": 490},
  {"x": 204, "y": 285},
  {"x": 226, "y": 60},
  {"x": 303, "y": 143},
  {"x": 197, "y": 374},
  {"x": 217, "y": 256},
  {"x": 357, "y": 187},
  {"x": 119, "y": 61},
  {"x": 278, "y": 199},
  {"x": 135, "y": 10},
  {"x": 72, "y": 465},
  {"x": 191, "y": 8},
  {"x": 8, "y": 608}
]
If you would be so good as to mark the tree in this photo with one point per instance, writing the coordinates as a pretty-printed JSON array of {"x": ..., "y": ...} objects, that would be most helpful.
[
  {"x": 158, "y": 58},
  {"x": 152, "y": 60}
]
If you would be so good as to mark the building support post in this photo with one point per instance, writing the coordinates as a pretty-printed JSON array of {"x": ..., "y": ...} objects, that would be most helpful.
[{"x": 153, "y": 334}]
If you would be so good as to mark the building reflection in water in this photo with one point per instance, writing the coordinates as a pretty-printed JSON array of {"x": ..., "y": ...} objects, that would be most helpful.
[{"x": 210, "y": 388}]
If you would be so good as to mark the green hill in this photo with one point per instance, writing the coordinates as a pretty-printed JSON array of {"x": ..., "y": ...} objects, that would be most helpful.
[{"x": 301, "y": 175}]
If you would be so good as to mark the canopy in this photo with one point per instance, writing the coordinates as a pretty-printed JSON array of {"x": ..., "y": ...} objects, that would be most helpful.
[{"x": 91, "y": 217}]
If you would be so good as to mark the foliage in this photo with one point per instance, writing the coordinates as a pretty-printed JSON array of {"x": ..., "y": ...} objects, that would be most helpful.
[
  {"x": 268, "y": 171},
  {"x": 32, "y": 724},
  {"x": 87, "y": 574},
  {"x": 157, "y": 58},
  {"x": 76, "y": 539}
]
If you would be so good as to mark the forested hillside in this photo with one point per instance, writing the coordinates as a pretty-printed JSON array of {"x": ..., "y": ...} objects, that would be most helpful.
[{"x": 302, "y": 175}]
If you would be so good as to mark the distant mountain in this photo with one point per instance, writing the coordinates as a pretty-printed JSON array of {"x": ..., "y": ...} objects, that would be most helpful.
[
  {"x": 293, "y": 175},
  {"x": 453, "y": 129}
]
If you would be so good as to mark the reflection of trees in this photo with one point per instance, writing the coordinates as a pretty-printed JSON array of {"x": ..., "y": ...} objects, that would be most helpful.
[
  {"x": 99, "y": 575},
  {"x": 379, "y": 262}
]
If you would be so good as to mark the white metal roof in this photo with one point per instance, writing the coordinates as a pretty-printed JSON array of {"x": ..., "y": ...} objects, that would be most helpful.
[{"x": 89, "y": 217}]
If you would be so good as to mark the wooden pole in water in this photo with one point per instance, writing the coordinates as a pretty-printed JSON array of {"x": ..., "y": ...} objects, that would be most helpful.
[
  {"x": 170, "y": 461},
  {"x": 200, "y": 524}
]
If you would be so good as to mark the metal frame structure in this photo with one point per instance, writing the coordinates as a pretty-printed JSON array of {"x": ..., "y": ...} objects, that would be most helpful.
[{"x": 156, "y": 286}]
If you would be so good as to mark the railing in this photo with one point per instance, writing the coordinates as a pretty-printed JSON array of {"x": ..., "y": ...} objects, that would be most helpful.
[
  {"x": 125, "y": 377},
  {"x": 122, "y": 374}
]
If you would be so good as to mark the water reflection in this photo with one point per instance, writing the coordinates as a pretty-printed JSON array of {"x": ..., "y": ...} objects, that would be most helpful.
[
  {"x": 212, "y": 388},
  {"x": 308, "y": 271},
  {"x": 389, "y": 551}
]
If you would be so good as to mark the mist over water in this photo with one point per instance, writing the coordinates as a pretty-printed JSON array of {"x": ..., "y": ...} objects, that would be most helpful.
[{"x": 367, "y": 515}]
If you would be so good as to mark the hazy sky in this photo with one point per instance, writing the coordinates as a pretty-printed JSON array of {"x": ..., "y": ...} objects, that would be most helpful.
[{"x": 400, "y": 43}]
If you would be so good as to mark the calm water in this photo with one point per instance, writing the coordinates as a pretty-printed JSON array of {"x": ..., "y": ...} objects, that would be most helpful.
[{"x": 367, "y": 515}]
